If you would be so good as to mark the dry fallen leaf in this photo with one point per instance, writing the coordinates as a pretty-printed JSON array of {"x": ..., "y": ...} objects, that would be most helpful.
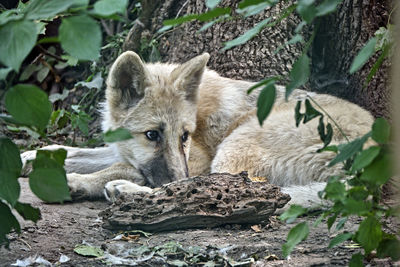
[
  {"x": 259, "y": 179},
  {"x": 256, "y": 228}
]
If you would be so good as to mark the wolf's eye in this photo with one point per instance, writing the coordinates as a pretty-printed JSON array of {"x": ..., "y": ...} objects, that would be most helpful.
[
  {"x": 185, "y": 136},
  {"x": 152, "y": 135}
]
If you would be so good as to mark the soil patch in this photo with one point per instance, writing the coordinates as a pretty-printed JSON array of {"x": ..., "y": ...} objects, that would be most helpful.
[{"x": 63, "y": 227}]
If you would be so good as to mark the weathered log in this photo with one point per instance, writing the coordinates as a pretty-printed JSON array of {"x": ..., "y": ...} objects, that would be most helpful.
[{"x": 199, "y": 202}]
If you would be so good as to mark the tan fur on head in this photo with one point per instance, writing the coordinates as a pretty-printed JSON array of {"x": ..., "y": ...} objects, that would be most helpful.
[{"x": 154, "y": 97}]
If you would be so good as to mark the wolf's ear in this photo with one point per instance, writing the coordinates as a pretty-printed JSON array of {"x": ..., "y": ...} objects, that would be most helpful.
[
  {"x": 127, "y": 80},
  {"x": 188, "y": 76}
]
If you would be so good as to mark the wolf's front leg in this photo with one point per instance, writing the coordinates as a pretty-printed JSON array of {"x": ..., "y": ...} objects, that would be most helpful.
[
  {"x": 79, "y": 160},
  {"x": 92, "y": 185}
]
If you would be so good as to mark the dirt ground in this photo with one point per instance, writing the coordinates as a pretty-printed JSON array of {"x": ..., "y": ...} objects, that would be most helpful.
[{"x": 65, "y": 226}]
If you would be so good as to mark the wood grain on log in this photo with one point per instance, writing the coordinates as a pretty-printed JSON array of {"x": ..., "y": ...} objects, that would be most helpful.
[{"x": 199, "y": 202}]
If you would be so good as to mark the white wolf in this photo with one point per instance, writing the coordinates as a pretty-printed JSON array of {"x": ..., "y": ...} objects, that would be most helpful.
[{"x": 187, "y": 120}]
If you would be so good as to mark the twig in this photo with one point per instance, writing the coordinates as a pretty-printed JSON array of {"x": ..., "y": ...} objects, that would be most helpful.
[{"x": 47, "y": 53}]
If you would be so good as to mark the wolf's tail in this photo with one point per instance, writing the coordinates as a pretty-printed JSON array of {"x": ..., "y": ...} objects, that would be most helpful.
[{"x": 304, "y": 195}]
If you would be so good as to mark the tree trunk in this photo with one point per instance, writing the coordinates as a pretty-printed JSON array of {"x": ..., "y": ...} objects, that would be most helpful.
[{"x": 339, "y": 38}]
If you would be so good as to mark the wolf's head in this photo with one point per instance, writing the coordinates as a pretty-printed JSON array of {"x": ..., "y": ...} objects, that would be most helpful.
[{"x": 157, "y": 103}]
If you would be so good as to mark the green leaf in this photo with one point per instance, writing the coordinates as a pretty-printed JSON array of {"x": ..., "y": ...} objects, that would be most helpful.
[
  {"x": 119, "y": 134},
  {"x": 17, "y": 40},
  {"x": 10, "y": 169},
  {"x": 327, "y": 6},
  {"x": 311, "y": 112},
  {"x": 379, "y": 171},
  {"x": 216, "y": 12},
  {"x": 339, "y": 239},
  {"x": 253, "y": 9},
  {"x": 389, "y": 247},
  {"x": 369, "y": 234},
  {"x": 335, "y": 190},
  {"x": 298, "y": 116},
  {"x": 299, "y": 74},
  {"x": 48, "y": 179},
  {"x": 262, "y": 82},
  {"x": 247, "y": 35},
  {"x": 43, "y": 9},
  {"x": 341, "y": 222},
  {"x": 212, "y": 3},
  {"x": 358, "y": 193},
  {"x": 110, "y": 7},
  {"x": 326, "y": 137},
  {"x": 81, "y": 37},
  {"x": 356, "y": 260},
  {"x": 7, "y": 223},
  {"x": 28, "y": 212},
  {"x": 88, "y": 251},
  {"x": 292, "y": 213},
  {"x": 10, "y": 15},
  {"x": 365, "y": 158},
  {"x": 362, "y": 57},
  {"x": 28, "y": 105},
  {"x": 354, "y": 206},
  {"x": 58, "y": 155},
  {"x": 381, "y": 131},
  {"x": 4, "y": 72},
  {"x": 246, "y": 3},
  {"x": 349, "y": 150},
  {"x": 377, "y": 64},
  {"x": 306, "y": 10},
  {"x": 265, "y": 101},
  {"x": 331, "y": 220},
  {"x": 295, "y": 236}
]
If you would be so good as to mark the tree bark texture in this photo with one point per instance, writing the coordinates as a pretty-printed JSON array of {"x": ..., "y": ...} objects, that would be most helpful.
[
  {"x": 338, "y": 40},
  {"x": 198, "y": 202}
]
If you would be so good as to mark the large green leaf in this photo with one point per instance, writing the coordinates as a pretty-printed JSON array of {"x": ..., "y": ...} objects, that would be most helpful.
[
  {"x": 369, "y": 234},
  {"x": 292, "y": 213},
  {"x": 28, "y": 212},
  {"x": 10, "y": 169},
  {"x": 389, "y": 247},
  {"x": 247, "y": 35},
  {"x": 365, "y": 158},
  {"x": 116, "y": 135},
  {"x": 212, "y": 3},
  {"x": 17, "y": 40},
  {"x": 216, "y": 12},
  {"x": 306, "y": 10},
  {"x": 356, "y": 260},
  {"x": 29, "y": 105},
  {"x": 265, "y": 101},
  {"x": 295, "y": 236},
  {"x": 7, "y": 223},
  {"x": 381, "y": 131},
  {"x": 379, "y": 171},
  {"x": 299, "y": 74},
  {"x": 349, "y": 150},
  {"x": 4, "y": 72},
  {"x": 362, "y": 57},
  {"x": 48, "y": 179},
  {"x": 327, "y": 6},
  {"x": 43, "y": 9},
  {"x": 339, "y": 239},
  {"x": 335, "y": 190},
  {"x": 110, "y": 7},
  {"x": 81, "y": 37}
]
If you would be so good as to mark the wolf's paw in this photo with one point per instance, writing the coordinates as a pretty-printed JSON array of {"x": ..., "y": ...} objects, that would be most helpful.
[
  {"x": 113, "y": 189},
  {"x": 26, "y": 159},
  {"x": 77, "y": 187}
]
